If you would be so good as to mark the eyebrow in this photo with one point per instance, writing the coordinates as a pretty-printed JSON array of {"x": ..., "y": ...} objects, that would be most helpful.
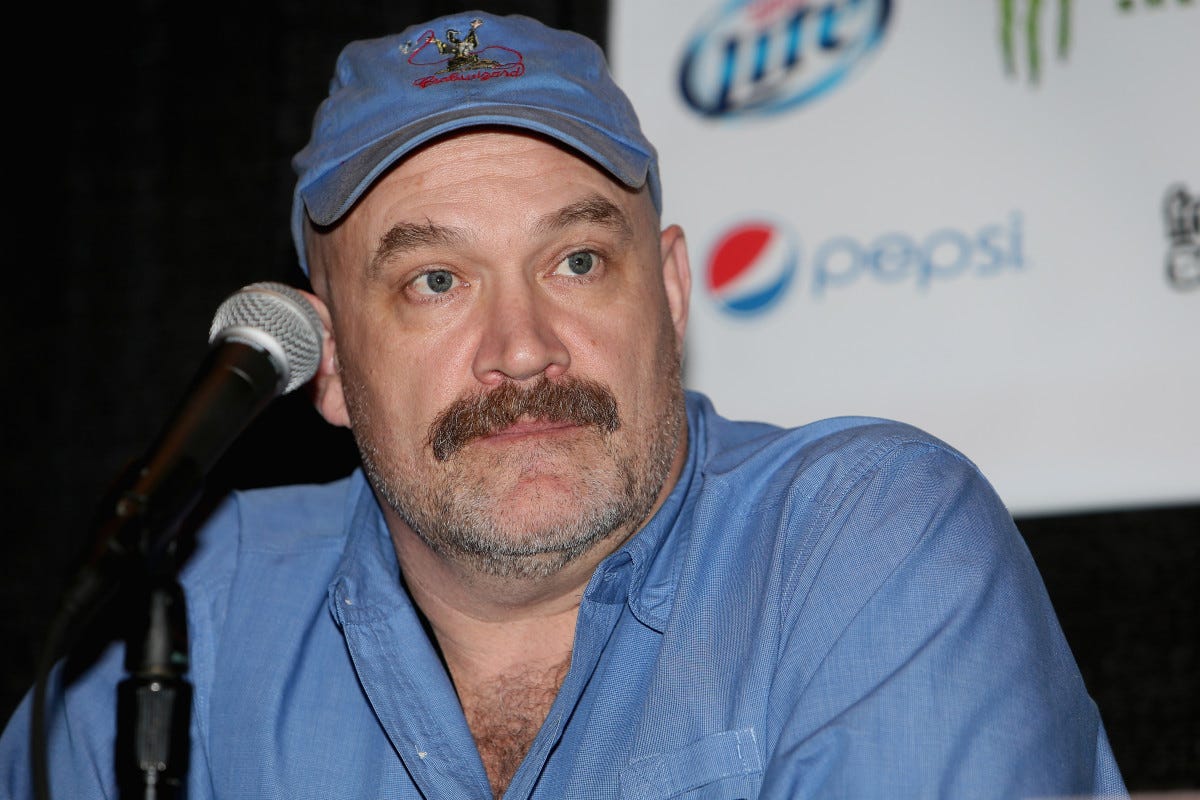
[
  {"x": 594, "y": 209},
  {"x": 405, "y": 236}
]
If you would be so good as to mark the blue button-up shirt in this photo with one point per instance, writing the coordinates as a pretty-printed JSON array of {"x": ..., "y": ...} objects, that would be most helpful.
[{"x": 845, "y": 609}]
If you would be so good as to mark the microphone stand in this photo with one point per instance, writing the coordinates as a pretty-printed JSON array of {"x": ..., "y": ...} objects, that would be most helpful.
[{"x": 154, "y": 703}]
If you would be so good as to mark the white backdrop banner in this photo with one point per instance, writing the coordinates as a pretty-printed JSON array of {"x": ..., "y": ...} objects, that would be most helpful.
[{"x": 982, "y": 218}]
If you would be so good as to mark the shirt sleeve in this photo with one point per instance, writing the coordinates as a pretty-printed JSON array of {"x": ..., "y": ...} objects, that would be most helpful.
[
  {"x": 80, "y": 735},
  {"x": 937, "y": 666}
]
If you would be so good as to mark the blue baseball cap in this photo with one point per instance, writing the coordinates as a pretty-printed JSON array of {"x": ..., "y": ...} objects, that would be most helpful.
[{"x": 390, "y": 95}]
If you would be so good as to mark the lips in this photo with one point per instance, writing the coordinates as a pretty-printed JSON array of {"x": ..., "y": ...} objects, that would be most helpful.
[{"x": 529, "y": 427}]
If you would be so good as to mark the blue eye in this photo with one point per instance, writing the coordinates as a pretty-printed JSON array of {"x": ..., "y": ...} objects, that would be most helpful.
[
  {"x": 580, "y": 263},
  {"x": 438, "y": 281}
]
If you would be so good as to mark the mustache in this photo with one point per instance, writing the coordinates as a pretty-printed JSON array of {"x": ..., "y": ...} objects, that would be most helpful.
[{"x": 581, "y": 401}]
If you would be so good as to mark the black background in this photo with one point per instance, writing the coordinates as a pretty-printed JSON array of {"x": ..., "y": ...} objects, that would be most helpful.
[{"x": 149, "y": 179}]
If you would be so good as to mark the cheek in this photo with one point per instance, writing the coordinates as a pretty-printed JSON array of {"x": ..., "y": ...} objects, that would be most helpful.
[
  {"x": 630, "y": 350},
  {"x": 403, "y": 380}
]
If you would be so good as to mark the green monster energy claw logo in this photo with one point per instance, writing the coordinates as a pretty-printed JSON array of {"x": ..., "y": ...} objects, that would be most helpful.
[{"x": 1032, "y": 24}]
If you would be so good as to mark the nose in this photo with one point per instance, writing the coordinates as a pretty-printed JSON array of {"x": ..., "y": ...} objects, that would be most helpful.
[{"x": 519, "y": 340}]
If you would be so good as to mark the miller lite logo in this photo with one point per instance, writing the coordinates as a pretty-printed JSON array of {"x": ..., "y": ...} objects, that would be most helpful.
[{"x": 765, "y": 56}]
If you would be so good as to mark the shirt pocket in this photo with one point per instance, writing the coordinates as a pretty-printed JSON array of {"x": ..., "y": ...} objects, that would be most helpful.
[{"x": 720, "y": 766}]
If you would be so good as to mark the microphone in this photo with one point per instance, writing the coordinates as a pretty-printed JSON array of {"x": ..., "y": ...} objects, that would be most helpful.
[{"x": 265, "y": 341}]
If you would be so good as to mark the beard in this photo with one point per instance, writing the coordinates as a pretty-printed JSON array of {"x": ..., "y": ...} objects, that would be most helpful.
[{"x": 529, "y": 509}]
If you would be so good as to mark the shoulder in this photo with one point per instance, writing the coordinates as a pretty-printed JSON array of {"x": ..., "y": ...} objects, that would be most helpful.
[
  {"x": 823, "y": 459},
  {"x": 295, "y": 528},
  {"x": 849, "y": 499},
  {"x": 299, "y": 517}
]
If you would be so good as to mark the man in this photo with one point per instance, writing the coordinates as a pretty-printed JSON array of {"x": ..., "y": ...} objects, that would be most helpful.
[{"x": 558, "y": 575}]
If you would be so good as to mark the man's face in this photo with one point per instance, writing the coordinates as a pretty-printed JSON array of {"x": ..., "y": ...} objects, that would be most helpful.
[{"x": 508, "y": 324}]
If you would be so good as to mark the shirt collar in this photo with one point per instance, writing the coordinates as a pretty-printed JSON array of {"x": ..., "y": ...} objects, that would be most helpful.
[
  {"x": 367, "y": 581},
  {"x": 644, "y": 571}
]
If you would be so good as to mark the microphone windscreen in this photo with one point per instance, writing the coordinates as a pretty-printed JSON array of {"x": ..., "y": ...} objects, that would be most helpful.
[{"x": 278, "y": 319}]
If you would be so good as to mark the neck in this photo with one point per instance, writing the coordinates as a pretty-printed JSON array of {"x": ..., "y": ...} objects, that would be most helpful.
[{"x": 490, "y": 624}]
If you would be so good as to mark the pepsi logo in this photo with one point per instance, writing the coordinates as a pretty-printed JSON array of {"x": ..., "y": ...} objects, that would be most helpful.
[{"x": 751, "y": 266}]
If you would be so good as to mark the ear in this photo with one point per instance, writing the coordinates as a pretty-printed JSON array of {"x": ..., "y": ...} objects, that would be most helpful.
[
  {"x": 325, "y": 388},
  {"x": 677, "y": 277}
]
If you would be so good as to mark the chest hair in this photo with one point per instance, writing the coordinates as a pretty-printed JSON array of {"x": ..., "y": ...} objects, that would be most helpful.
[{"x": 505, "y": 714}]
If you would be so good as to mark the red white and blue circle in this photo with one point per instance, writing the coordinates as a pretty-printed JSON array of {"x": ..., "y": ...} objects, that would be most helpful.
[{"x": 751, "y": 266}]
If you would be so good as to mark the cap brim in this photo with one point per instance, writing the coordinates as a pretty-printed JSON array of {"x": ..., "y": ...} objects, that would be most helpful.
[{"x": 332, "y": 193}]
